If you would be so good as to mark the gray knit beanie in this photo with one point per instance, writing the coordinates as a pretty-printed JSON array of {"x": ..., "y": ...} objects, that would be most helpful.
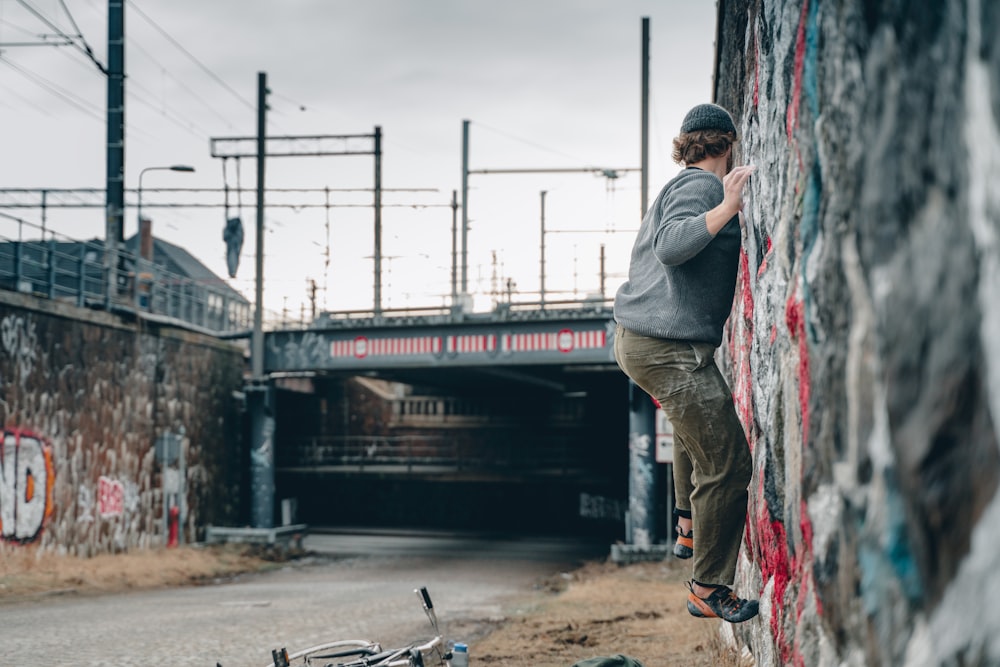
[{"x": 708, "y": 117}]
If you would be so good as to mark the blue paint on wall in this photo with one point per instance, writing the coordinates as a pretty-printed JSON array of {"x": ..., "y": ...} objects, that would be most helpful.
[
  {"x": 886, "y": 557},
  {"x": 809, "y": 76}
]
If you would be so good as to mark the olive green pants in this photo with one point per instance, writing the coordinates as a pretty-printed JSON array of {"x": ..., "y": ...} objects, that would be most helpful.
[{"x": 712, "y": 463}]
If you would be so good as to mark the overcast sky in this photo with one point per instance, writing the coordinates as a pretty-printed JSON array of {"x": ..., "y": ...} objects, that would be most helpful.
[{"x": 544, "y": 83}]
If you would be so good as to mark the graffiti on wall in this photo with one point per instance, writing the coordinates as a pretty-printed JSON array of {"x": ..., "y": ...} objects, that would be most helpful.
[
  {"x": 26, "y": 482},
  {"x": 20, "y": 343},
  {"x": 110, "y": 497}
]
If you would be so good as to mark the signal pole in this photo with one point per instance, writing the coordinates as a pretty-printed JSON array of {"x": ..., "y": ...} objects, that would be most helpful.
[
  {"x": 115, "y": 180},
  {"x": 257, "y": 339}
]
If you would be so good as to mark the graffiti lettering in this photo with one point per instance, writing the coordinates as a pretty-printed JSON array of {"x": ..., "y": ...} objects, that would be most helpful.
[
  {"x": 20, "y": 342},
  {"x": 110, "y": 497},
  {"x": 264, "y": 454},
  {"x": 26, "y": 481},
  {"x": 312, "y": 349},
  {"x": 600, "y": 507}
]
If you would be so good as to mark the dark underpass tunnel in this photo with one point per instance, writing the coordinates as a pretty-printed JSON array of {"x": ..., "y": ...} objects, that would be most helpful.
[{"x": 497, "y": 457}]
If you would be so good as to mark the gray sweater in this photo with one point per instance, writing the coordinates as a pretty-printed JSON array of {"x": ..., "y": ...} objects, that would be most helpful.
[{"x": 681, "y": 280}]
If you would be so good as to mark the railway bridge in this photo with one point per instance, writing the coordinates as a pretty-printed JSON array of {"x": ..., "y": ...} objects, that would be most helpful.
[{"x": 512, "y": 420}]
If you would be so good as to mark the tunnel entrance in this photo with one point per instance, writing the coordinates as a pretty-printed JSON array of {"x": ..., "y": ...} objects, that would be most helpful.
[{"x": 498, "y": 456}]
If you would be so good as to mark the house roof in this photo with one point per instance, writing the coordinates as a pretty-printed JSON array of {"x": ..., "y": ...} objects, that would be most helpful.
[{"x": 178, "y": 260}]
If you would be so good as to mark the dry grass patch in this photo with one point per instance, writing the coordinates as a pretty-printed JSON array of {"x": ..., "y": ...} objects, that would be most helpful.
[
  {"x": 25, "y": 572},
  {"x": 637, "y": 610}
]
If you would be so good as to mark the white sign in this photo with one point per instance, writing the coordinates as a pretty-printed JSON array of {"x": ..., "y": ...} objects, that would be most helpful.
[{"x": 664, "y": 438}]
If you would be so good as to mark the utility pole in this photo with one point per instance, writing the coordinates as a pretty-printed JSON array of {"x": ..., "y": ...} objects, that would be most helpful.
[
  {"x": 643, "y": 528},
  {"x": 115, "y": 176},
  {"x": 378, "y": 221},
  {"x": 259, "y": 393},
  {"x": 644, "y": 178},
  {"x": 257, "y": 339},
  {"x": 454, "y": 250},
  {"x": 541, "y": 262},
  {"x": 465, "y": 207}
]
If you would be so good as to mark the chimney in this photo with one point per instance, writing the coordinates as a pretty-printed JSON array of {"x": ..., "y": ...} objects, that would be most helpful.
[{"x": 146, "y": 239}]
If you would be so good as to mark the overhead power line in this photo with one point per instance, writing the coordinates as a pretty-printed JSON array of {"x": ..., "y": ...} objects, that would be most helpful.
[
  {"x": 526, "y": 142},
  {"x": 180, "y": 83},
  {"x": 71, "y": 20},
  {"x": 18, "y": 28},
  {"x": 184, "y": 124},
  {"x": 77, "y": 40},
  {"x": 191, "y": 56},
  {"x": 56, "y": 90}
]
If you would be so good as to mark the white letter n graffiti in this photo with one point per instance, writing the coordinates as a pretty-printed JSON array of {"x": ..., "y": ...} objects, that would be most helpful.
[{"x": 26, "y": 477}]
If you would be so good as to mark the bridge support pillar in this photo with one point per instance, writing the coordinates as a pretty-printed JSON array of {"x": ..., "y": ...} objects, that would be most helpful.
[
  {"x": 260, "y": 406},
  {"x": 643, "y": 481}
]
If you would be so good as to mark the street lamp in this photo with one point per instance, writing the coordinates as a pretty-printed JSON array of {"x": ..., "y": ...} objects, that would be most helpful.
[
  {"x": 175, "y": 167},
  {"x": 145, "y": 249}
]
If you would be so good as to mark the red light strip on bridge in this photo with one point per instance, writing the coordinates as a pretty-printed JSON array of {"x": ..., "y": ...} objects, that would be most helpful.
[
  {"x": 362, "y": 347},
  {"x": 472, "y": 343},
  {"x": 563, "y": 341}
]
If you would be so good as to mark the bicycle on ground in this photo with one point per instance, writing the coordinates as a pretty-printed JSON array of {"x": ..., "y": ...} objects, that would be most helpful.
[{"x": 435, "y": 652}]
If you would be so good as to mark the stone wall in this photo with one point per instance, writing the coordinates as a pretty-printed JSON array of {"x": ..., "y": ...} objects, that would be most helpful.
[
  {"x": 864, "y": 345},
  {"x": 84, "y": 399}
]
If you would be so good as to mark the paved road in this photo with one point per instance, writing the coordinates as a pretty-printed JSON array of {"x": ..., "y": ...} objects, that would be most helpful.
[{"x": 360, "y": 587}]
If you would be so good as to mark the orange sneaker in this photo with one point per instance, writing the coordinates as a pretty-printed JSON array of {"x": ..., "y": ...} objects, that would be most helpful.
[
  {"x": 684, "y": 546},
  {"x": 722, "y": 603}
]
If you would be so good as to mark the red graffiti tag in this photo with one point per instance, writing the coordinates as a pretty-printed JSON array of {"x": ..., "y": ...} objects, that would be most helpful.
[{"x": 110, "y": 497}]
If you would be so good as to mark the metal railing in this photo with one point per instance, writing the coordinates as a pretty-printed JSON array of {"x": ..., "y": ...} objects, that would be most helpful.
[
  {"x": 58, "y": 267},
  {"x": 548, "y": 455}
]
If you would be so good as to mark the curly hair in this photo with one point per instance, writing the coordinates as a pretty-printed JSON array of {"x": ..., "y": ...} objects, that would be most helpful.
[{"x": 692, "y": 147}]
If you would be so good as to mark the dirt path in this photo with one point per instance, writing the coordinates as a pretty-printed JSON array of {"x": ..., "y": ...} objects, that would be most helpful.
[
  {"x": 598, "y": 609},
  {"x": 605, "y": 609}
]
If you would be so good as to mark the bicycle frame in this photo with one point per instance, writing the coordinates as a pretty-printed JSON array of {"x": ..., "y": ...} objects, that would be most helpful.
[{"x": 365, "y": 653}]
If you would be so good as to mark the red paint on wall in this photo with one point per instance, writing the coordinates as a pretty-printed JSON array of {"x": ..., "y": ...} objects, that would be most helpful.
[
  {"x": 110, "y": 497},
  {"x": 741, "y": 343},
  {"x": 796, "y": 322},
  {"x": 746, "y": 292},
  {"x": 786, "y": 568},
  {"x": 792, "y": 114},
  {"x": 767, "y": 253},
  {"x": 774, "y": 566},
  {"x": 806, "y": 557}
]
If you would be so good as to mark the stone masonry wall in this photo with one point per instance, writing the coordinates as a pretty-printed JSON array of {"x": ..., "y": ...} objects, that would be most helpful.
[
  {"x": 864, "y": 345},
  {"x": 83, "y": 400}
]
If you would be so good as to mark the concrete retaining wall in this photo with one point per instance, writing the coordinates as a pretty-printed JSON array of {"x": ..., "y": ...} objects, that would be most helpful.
[
  {"x": 864, "y": 346},
  {"x": 84, "y": 400}
]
